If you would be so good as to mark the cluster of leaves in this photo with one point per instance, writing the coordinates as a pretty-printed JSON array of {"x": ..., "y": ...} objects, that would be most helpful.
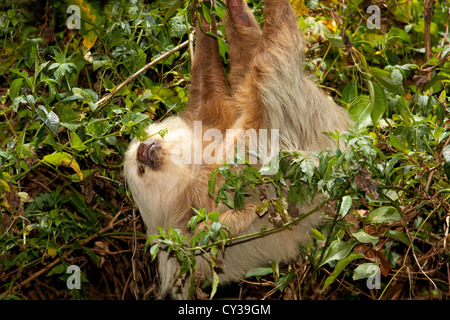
[
  {"x": 208, "y": 241},
  {"x": 379, "y": 215},
  {"x": 388, "y": 190},
  {"x": 63, "y": 199}
]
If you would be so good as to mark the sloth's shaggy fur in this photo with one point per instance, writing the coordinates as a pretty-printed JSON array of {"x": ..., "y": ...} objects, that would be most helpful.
[{"x": 266, "y": 89}]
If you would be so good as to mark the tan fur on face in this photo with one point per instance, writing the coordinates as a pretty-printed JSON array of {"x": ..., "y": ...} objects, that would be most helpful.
[
  {"x": 154, "y": 191},
  {"x": 267, "y": 89}
]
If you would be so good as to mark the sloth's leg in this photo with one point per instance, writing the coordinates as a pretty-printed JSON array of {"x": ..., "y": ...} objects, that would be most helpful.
[
  {"x": 210, "y": 99},
  {"x": 280, "y": 24},
  {"x": 243, "y": 34},
  {"x": 238, "y": 221},
  {"x": 265, "y": 78}
]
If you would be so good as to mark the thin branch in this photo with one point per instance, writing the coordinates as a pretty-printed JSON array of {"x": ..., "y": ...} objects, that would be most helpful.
[
  {"x": 259, "y": 233},
  {"x": 428, "y": 13},
  {"x": 83, "y": 242},
  {"x": 147, "y": 66},
  {"x": 446, "y": 32}
]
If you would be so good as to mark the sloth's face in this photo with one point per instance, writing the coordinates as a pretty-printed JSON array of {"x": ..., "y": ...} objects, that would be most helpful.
[
  {"x": 150, "y": 155},
  {"x": 158, "y": 165},
  {"x": 157, "y": 174}
]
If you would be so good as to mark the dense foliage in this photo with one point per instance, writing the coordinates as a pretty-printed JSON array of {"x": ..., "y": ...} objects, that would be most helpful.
[{"x": 64, "y": 200}]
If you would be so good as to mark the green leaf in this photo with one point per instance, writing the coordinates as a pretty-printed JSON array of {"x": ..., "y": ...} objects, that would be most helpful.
[
  {"x": 214, "y": 251},
  {"x": 177, "y": 27},
  {"x": 14, "y": 90},
  {"x": 397, "y": 77},
  {"x": 383, "y": 215},
  {"x": 318, "y": 235},
  {"x": 284, "y": 281},
  {"x": 154, "y": 251},
  {"x": 215, "y": 226},
  {"x": 337, "y": 250},
  {"x": 223, "y": 47},
  {"x": 350, "y": 92},
  {"x": 399, "y": 237},
  {"x": 76, "y": 142},
  {"x": 359, "y": 111},
  {"x": 307, "y": 167},
  {"x": 258, "y": 272},
  {"x": 206, "y": 12},
  {"x": 364, "y": 237},
  {"x": 212, "y": 182},
  {"x": 134, "y": 117},
  {"x": 99, "y": 63},
  {"x": 89, "y": 96},
  {"x": 365, "y": 271},
  {"x": 346, "y": 204},
  {"x": 399, "y": 33},
  {"x": 204, "y": 240},
  {"x": 71, "y": 126},
  {"x": 50, "y": 119},
  {"x": 312, "y": 4},
  {"x": 390, "y": 165},
  {"x": 192, "y": 224},
  {"x": 60, "y": 268},
  {"x": 98, "y": 127},
  {"x": 150, "y": 239},
  {"x": 220, "y": 9},
  {"x": 436, "y": 80},
  {"x": 384, "y": 78},
  {"x": 172, "y": 10},
  {"x": 215, "y": 284},
  {"x": 340, "y": 266},
  {"x": 378, "y": 102},
  {"x": 94, "y": 257},
  {"x": 336, "y": 41},
  {"x": 396, "y": 143}
]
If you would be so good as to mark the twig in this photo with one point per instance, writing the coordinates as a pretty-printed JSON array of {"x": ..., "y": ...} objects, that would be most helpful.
[
  {"x": 259, "y": 233},
  {"x": 133, "y": 260},
  {"x": 447, "y": 222},
  {"x": 430, "y": 177},
  {"x": 446, "y": 33},
  {"x": 110, "y": 225},
  {"x": 123, "y": 84},
  {"x": 434, "y": 66},
  {"x": 428, "y": 13},
  {"x": 417, "y": 260}
]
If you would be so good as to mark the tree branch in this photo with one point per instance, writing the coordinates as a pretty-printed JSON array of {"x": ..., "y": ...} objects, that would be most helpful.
[
  {"x": 428, "y": 13},
  {"x": 123, "y": 84}
]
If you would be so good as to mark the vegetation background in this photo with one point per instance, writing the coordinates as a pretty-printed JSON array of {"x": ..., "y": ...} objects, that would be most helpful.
[{"x": 64, "y": 201}]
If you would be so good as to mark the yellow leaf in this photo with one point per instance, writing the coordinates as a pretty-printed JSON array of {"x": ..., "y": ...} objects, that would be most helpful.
[
  {"x": 263, "y": 207},
  {"x": 330, "y": 24},
  {"x": 24, "y": 197},
  {"x": 89, "y": 40},
  {"x": 299, "y": 7},
  {"x": 64, "y": 159},
  {"x": 5, "y": 185},
  {"x": 52, "y": 252}
]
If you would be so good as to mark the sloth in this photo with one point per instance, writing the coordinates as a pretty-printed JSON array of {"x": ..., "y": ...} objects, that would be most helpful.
[{"x": 266, "y": 89}]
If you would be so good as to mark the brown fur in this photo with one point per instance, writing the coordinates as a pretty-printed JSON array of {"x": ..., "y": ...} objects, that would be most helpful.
[{"x": 267, "y": 88}]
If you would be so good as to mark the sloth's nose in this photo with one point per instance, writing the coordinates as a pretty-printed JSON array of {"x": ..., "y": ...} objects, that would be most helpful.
[{"x": 149, "y": 154}]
